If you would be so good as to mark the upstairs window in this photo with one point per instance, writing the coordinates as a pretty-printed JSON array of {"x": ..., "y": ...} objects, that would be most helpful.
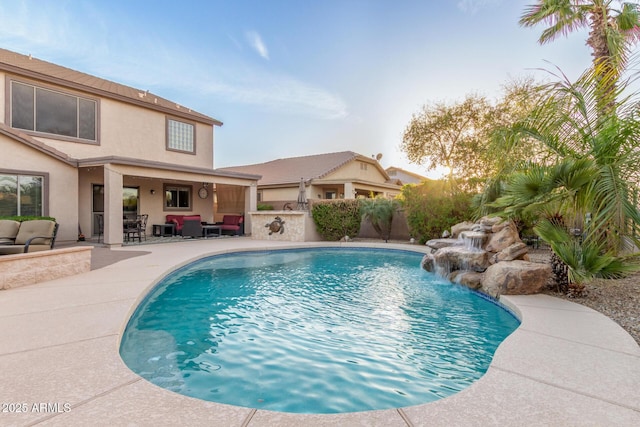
[
  {"x": 47, "y": 111},
  {"x": 181, "y": 136}
]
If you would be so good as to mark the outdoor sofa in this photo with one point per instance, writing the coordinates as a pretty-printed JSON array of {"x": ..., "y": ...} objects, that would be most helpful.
[
  {"x": 178, "y": 221},
  {"x": 232, "y": 224},
  {"x": 27, "y": 236}
]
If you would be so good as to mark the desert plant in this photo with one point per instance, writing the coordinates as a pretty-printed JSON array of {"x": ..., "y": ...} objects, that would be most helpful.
[
  {"x": 379, "y": 213},
  {"x": 590, "y": 184}
]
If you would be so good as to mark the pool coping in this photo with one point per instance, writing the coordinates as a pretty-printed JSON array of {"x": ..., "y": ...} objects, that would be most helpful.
[{"x": 565, "y": 365}]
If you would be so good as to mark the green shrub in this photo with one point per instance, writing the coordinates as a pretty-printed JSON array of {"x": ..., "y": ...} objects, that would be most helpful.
[
  {"x": 335, "y": 219},
  {"x": 264, "y": 207},
  {"x": 430, "y": 209},
  {"x": 26, "y": 218}
]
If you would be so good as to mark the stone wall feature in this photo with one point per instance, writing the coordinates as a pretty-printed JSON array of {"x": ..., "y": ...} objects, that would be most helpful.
[
  {"x": 27, "y": 269},
  {"x": 297, "y": 226}
]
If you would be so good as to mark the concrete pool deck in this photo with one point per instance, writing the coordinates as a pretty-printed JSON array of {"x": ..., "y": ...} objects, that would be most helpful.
[{"x": 566, "y": 365}]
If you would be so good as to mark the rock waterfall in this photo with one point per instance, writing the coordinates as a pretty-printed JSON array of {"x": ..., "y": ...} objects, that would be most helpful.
[{"x": 488, "y": 256}]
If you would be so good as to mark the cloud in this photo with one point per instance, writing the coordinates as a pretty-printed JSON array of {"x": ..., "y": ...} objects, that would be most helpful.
[
  {"x": 277, "y": 92},
  {"x": 473, "y": 6},
  {"x": 164, "y": 66},
  {"x": 257, "y": 44}
]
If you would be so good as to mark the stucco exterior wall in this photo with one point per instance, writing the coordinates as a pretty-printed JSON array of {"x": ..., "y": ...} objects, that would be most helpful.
[
  {"x": 61, "y": 185},
  {"x": 2, "y": 97},
  {"x": 130, "y": 131},
  {"x": 353, "y": 171},
  {"x": 279, "y": 194}
]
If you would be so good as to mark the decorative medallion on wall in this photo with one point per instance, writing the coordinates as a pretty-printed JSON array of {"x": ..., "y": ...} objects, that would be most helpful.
[{"x": 276, "y": 226}]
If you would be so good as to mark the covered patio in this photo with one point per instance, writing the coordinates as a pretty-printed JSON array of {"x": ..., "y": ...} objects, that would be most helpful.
[{"x": 117, "y": 188}]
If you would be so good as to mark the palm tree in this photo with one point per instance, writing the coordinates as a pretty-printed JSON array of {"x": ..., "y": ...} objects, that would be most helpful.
[
  {"x": 612, "y": 31},
  {"x": 379, "y": 213},
  {"x": 590, "y": 186}
]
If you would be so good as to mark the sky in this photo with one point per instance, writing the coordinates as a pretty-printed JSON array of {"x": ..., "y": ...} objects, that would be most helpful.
[{"x": 291, "y": 77}]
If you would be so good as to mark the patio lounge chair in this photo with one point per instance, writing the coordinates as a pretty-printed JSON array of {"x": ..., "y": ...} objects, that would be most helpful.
[
  {"x": 8, "y": 231},
  {"x": 33, "y": 236}
]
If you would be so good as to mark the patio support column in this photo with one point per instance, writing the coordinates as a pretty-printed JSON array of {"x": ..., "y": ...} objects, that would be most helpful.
[
  {"x": 251, "y": 204},
  {"x": 112, "y": 205},
  {"x": 349, "y": 192}
]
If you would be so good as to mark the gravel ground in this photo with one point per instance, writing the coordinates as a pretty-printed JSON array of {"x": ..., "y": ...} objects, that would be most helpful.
[{"x": 617, "y": 299}]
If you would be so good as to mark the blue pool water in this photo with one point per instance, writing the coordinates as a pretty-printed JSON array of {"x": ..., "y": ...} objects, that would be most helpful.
[{"x": 313, "y": 331}]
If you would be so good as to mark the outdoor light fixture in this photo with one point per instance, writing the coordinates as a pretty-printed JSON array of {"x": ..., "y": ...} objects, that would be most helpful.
[{"x": 152, "y": 191}]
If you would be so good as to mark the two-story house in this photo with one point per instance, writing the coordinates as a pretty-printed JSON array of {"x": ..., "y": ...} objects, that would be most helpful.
[{"x": 74, "y": 146}]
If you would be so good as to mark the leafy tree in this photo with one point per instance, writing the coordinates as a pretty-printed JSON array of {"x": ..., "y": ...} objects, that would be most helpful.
[
  {"x": 430, "y": 209},
  {"x": 379, "y": 213},
  {"x": 450, "y": 136},
  {"x": 459, "y": 136}
]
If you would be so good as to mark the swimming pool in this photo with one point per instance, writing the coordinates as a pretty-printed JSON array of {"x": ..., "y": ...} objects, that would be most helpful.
[{"x": 313, "y": 331}]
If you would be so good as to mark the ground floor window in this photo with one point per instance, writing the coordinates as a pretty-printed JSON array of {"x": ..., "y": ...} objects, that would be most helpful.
[
  {"x": 21, "y": 195},
  {"x": 177, "y": 197}
]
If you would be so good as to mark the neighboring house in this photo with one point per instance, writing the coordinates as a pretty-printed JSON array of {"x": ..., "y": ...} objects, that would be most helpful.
[
  {"x": 405, "y": 176},
  {"x": 342, "y": 175},
  {"x": 75, "y": 146}
]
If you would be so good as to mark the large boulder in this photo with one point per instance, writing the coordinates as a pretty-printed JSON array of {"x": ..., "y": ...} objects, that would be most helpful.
[
  {"x": 517, "y": 250},
  {"x": 460, "y": 258},
  {"x": 473, "y": 239},
  {"x": 490, "y": 221},
  {"x": 436, "y": 244},
  {"x": 459, "y": 228},
  {"x": 428, "y": 263},
  {"x": 503, "y": 238},
  {"x": 470, "y": 279},
  {"x": 515, "y": 278}
]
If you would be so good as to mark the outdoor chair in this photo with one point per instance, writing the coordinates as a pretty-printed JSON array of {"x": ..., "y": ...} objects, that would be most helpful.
[
  {"x": 8, "y": 231},
  {"x": 100, "y": 219},
  {"x": 142, "y": 221},
  {"x": 191, "y": 228},
  {"x": 131, "y": 230},
  {"x": 33, "y": 236}
]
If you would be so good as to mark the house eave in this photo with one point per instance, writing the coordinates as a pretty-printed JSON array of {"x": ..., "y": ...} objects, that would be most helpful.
[{"x": 126, "y": 161}]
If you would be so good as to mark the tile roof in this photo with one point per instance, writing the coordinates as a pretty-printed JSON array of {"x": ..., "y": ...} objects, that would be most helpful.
[
  {"x": 26, "y": 65},
  {"x": 291, "y": 169}
]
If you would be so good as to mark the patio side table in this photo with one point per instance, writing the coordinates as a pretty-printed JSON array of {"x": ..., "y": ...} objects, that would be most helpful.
[
  {"x": 210, "y": 229},
  {"x": 164, "y": 230}
]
